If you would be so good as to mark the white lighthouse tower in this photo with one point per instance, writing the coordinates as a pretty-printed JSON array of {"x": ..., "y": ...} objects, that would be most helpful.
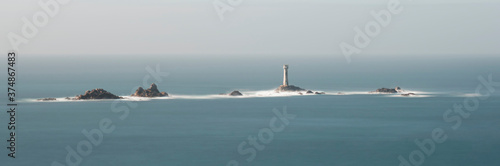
[
  {"x": 285, "y": 75},
  {"x": 286, "y": 87}
]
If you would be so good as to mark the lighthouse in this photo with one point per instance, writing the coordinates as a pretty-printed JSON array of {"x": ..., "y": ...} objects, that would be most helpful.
[
  {"x": 286, "y": 87},
  {"x": 285, "y": 75}
]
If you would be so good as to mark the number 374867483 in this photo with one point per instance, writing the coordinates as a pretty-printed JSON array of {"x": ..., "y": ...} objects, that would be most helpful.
[{"x": 11, "y": 71}]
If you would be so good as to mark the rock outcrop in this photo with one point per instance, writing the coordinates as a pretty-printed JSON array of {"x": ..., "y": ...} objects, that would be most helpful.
[
  {"x": 319, "y": 93},
  {"x": 97, "y": 94},
  {"x": 387, "y": 90},
  {"x": 310, "y": 92},
  {"x": 68, "y": 98},
  {"x": 235, "y": 93},
  {"x": 408, "y": 94},
  {"x": 288, "y": 88},
  {"x": 151, "y": 92}
]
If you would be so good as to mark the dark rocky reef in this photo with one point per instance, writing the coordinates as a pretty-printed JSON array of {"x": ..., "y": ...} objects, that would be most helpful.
[
  {"x": 316, "y": 93},
  {"x": 387, "y": 90},
  {"x": 47, "y": 99},
  {"x": 291, "y": 88},
  {"x": 235, "y": 93},
  {"x": 288, "y": 88},
  {"x": 67, "y": 98},
  {"x": 408, "y": 94},
  {"x": 151, "y": 92},
  {"x": 97, "y": 94}
]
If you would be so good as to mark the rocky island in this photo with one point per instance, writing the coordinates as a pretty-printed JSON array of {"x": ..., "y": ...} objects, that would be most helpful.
[
  {"x": 151, "y": 92},
  {"x": 97, "y": 94}
]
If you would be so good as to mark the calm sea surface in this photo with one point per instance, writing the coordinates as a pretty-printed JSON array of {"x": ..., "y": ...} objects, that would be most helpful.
[{"x": 353, "y": 129}]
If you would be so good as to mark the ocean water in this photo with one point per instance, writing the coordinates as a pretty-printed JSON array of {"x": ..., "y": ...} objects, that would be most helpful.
[{"x": 195, "y": 126}]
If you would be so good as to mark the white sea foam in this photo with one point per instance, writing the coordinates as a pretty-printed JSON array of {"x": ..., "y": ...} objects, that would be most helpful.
[
  {"x": 410, "y": 96},
  {"x": 60, "y": 99},
  {"x": 466, "y": 95},
  {"x": 347, "y": 93},
  {"x": 250, "y": 94},
  {"x": 246, "y": 94}
]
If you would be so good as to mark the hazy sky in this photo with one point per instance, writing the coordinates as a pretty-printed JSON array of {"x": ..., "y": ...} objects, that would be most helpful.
[{"x": 256, "y": 27}]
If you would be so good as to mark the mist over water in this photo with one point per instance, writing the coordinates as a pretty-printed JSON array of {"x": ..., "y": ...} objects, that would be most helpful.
[{"x": 59, "y": 76}]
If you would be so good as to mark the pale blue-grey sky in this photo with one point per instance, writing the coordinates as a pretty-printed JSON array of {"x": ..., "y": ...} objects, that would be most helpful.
[{"x": 255, "y": 27}]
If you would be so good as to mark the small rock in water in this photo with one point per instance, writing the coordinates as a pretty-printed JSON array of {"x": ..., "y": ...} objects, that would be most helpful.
[
  {"x": 408, "y": 94},
  {"x": 235, "y": 93},
  {"x": 47, "y": 99}
]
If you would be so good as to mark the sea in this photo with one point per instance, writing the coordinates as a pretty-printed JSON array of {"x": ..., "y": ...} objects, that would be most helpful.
[{"x": 445, "y": 123}]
